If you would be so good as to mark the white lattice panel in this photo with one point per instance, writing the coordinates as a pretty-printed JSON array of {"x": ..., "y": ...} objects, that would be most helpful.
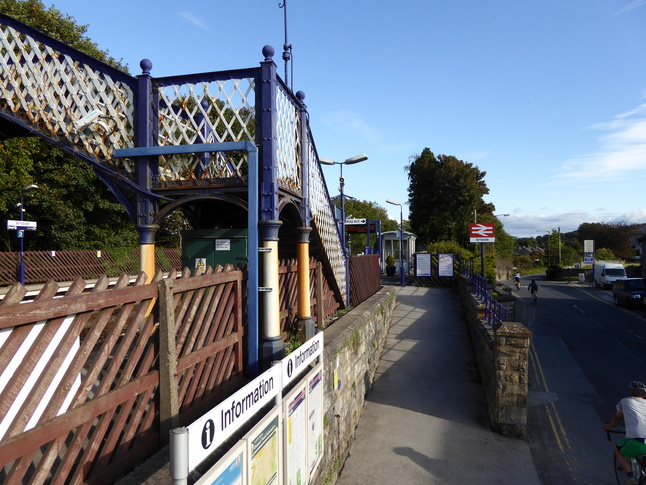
[
  {"x": 206, "y": 112},
  {"x": 64, "y": 98},
  {"x": 288, "y": 132},
  {"x": 323, "y": 219}
]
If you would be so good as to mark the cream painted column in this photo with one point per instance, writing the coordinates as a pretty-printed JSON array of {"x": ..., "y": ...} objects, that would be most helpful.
[{"x": 273, "y": 348}]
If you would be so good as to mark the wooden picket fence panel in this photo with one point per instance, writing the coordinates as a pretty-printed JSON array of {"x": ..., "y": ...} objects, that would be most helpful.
[
  {"x": 365, "y": 277},
  {"x": 82, "y": 376},
  {"x": 322, "y": 300}
]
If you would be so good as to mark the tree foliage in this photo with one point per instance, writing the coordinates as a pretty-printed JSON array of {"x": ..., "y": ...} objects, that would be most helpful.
[
  {"x": 443, "y": 194},
  {"x": 614, "y": 236},
  {"x": 73, "y": 208},
  {"x": 58, "y": 25}
]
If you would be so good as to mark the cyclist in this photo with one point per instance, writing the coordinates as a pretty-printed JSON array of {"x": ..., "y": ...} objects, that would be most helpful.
[
  {"x": 517, "y": 279},
  {"x": 632, "y": 410},
  {"x": 533, "y": 288}
]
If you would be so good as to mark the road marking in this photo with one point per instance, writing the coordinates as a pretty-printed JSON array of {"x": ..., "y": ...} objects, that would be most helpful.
[{"x": 556, "y": 424}]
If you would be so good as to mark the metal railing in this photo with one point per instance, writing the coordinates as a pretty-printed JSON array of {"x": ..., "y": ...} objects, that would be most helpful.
[{"x": 495, "y": 312}]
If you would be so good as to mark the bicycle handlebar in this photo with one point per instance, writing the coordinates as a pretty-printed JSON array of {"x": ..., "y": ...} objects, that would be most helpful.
[{"x": 614, "y": 431}]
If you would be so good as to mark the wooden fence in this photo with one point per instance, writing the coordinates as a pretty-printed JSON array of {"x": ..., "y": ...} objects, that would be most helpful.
[
  {"x": 88, "y": 381},
  {"x": 365, "y": 277},
  {"x": 92, "y": 380},
  {"x": 42, "y": 266}
]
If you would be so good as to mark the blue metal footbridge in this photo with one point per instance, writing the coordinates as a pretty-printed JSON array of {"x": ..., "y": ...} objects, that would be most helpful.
[{"x": 229, "y": 149}]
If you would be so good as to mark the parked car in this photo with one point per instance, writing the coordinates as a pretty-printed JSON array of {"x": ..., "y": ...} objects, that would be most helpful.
[{"x": 629, "y": 291}]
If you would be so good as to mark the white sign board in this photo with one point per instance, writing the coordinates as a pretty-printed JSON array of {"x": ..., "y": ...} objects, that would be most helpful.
[
  {"x": 223, "y": 244},
  {"x": 355, "y": 221},
  {"x": 445, "y": 264},
  {"x": 24, "y": 225},
  {"x": 422, "y": 264},
  {"x": 213, "y": 428},
  {"x": 298, "y": 360}
]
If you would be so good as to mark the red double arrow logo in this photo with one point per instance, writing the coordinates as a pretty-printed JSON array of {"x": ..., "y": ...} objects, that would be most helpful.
[{"x": 482, "y": 229}]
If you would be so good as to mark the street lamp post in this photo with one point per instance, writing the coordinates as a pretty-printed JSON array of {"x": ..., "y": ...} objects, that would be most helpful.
[
  {"x": 401, "y": 238},
  {"x": 348, "y": 161},
  {"x": 21, "y": 209}
]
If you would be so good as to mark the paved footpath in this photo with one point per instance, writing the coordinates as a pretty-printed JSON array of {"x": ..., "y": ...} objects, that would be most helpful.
[{"x": 425, "y": 419}]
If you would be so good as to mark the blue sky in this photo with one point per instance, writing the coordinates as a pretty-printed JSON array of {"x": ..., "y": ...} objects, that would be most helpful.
[{"x": 549, "y": 97}]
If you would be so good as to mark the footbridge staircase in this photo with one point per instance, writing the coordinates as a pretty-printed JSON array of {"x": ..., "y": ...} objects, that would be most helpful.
[{"x": 229, "y": 149}]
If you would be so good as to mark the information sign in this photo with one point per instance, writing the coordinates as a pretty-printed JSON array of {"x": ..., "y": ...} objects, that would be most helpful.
[
  {"x": 355, "y": 221},
  {"x": 298, "y": 360},
  {"x": 208, "y": 432}
]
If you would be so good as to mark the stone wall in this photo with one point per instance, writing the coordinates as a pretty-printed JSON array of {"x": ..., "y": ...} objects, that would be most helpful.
[
  {"x": 502, "y": 355},
  {"x": 353, "y": 346}
]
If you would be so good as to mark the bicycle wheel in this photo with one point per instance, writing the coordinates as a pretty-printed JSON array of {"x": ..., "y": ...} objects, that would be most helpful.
[{"x": 638, "y": 472}]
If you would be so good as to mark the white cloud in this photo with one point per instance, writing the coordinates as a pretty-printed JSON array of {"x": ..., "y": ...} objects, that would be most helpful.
[
  {"x": 621, "y": 155},
  {"x": 630, "y": 6},
  {"x": 195, "y": 20},
  {"x": 349, "y": 123}
]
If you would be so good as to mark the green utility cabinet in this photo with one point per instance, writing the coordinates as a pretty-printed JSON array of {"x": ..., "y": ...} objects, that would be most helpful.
[{"x": 214, "y": 246}]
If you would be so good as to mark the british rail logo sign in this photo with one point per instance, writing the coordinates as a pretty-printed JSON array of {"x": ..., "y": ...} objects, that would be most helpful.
[{"x": 481, "y": 232}]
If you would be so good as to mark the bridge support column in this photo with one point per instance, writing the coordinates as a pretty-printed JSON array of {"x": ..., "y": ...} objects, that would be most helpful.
[
  {"x": 273, "y": 348},
  {"x": 147, "y": 249},
  {"x": 304, "y": 316}
]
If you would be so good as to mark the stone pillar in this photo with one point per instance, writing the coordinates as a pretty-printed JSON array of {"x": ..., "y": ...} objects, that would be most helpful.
[{"x": 511, "y": 354}]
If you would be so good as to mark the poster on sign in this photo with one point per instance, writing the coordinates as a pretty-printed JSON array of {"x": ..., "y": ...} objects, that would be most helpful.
[
  {"x": 422, "y": 264},
  {"x": 445, "y": 264},
  {"x": 295, "y": 434},
  {"x": 229, "y": 470},
  {"x": 264, "y": 448},
  {"x": 315, "y": 415}
]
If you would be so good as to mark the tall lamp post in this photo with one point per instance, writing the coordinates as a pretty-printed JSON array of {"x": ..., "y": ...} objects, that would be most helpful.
[
  {"x": 401, "y": 238},
  {"x": 348, "y": 161},
  {"x": 21, "y": 208}
]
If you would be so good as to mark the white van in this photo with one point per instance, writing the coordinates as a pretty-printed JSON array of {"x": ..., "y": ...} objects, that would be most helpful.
[{"x": 605, "y": 274}]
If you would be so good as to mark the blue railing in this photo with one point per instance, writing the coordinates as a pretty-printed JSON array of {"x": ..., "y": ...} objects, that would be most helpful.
[{"x": 495, "y": 312}]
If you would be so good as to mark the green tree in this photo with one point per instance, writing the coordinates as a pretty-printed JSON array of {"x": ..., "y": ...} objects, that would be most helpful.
[
  {"x": 73, "y": 208},
  {"x": 443, "y": 195},
  {"x": 616, "y": 236},
  {"x": 58, "y": 25}
]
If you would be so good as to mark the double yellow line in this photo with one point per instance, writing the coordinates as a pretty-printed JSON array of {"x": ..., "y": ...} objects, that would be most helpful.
[{"x": 556, "y": 424}]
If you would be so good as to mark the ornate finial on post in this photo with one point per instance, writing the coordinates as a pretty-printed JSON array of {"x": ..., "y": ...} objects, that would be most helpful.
[
  {"x": 268, "y": 51},
  {"x": 300, "y": 95},
  {"x": 146, "y": 65}
]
